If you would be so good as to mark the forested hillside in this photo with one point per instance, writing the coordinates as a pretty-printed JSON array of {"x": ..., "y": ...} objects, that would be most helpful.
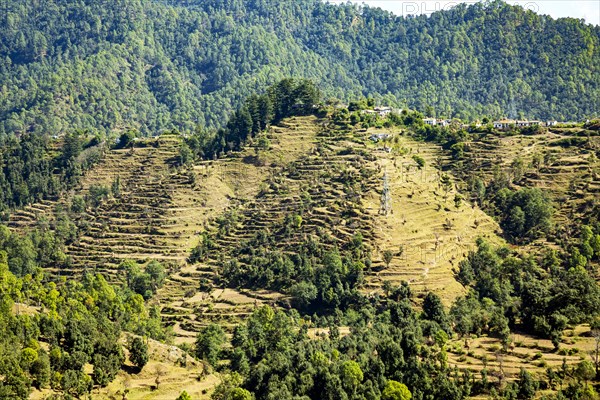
[
  {"x": 303, "y": 252},
  {"x": 153, "y": 65}
]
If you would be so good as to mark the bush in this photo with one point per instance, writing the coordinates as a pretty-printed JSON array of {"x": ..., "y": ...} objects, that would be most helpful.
[
  {"x": 184, "y": 396},
  {"x": 97, "y": 194},
  {"x": 126, "y": 139}
]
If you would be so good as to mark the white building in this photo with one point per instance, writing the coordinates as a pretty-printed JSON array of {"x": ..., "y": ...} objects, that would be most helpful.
[
  {"x": 383, "y": 111},
  {"x": 504, "y": 124},
  {"x": 380, "y": 136},
  {"x": 525, "y": 124}
]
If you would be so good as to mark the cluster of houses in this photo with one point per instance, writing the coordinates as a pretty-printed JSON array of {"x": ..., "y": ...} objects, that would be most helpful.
[
  {"x": 437, "y": 122},
  {"x": 505, "y": 124}
]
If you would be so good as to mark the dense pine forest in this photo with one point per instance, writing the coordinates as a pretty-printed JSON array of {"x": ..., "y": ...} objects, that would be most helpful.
[{"x": 154, "y": 65}]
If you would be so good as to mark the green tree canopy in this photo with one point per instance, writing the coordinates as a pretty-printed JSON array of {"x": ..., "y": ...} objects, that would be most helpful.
[
  {"x": 209, "y": 342},
  {"x": 395, "y": 391}
]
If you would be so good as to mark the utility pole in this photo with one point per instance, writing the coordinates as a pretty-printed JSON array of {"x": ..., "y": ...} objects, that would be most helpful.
[{"x": 386, "y": 197}]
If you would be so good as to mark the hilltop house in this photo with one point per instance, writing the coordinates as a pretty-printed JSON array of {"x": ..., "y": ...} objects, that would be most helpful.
[
  {"x": 525, "y": 124},
  {"x": 380, "y": 136},
  {"x": 383, "y": 111},
  {"x": 504, "y": 124},
  {"x": 437, "y": 122}
]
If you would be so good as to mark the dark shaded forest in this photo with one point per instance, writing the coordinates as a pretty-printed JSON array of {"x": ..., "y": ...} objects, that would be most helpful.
[{"x": 150, "y": 65}]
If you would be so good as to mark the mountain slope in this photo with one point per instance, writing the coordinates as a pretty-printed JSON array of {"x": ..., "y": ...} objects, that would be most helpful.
[
  {"x": 316, "y": 183},
  {"x": 154, "y": 65},
  {"x": 293, "y": 220}
]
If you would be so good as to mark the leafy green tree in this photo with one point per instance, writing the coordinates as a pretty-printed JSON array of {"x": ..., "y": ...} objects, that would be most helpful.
[
  {"x": 527, "y": 386},
  {"x": 115, "y": 188},
  {"x": 304, "y": 293},
  {"x": 145, "y": 282},
  {"x": 157, "y": 273},
  {"x": 28, "y": 357},
  {"x": 419, "y": 160},
  {"x": 76, "y": 383},
  {"x": 77, "y": 204},
  {"x": 185, "y": 154},
  {"x": 433, "y": 310},
  {"x": 131, "y": 269},
  {"x": 228, "y": 387},
  {"x": 395, "y": 391},
  {"x": 15, "y": 382},
  {"x": 446, "y": 183},
  {"x": 585, "y": 371},
  {"x": 516, "y": 221},
  {"x": 388, "y": 256},
  {"x": 351, "y": 375},
  {"x": 138, "y": 352},
  {"x": 96, "y": 195},
  {"x": 458, "y": 201},
  {"x": 40, "y": 370},
  {"x": 106, "y": 366},
  {"x": 126, "y": 139},
  {"x": 263, "y": 143},
  {"x": 240, "y": 394},
  {"x": 526, "y": 213},
  {"x": 184, "y": 396},
  {"x": 209, "y": 343},
  {"x": 306, "y": 96},
  {"x": 71, "y": 149}
]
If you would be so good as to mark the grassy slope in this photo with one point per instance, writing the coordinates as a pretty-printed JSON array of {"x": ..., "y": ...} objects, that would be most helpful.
[
  {"x": 421, "y": 211},
  {"x": 571, "y": 176},
  {"x": 165, "y": 361}
]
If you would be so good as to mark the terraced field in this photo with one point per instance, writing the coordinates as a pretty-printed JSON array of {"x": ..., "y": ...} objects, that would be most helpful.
[
  {"x": 533, "y": 354},
  {"x": 563, "y": 162},
  {"x": 192, "y": 296},
  {"x": 332, "y": 178},
  {"x": 425, "y": 223},
  {"x": 142, "y": 222},
  {"x": 306, "y": 184},
  {"x": 334, "y": 184}
]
